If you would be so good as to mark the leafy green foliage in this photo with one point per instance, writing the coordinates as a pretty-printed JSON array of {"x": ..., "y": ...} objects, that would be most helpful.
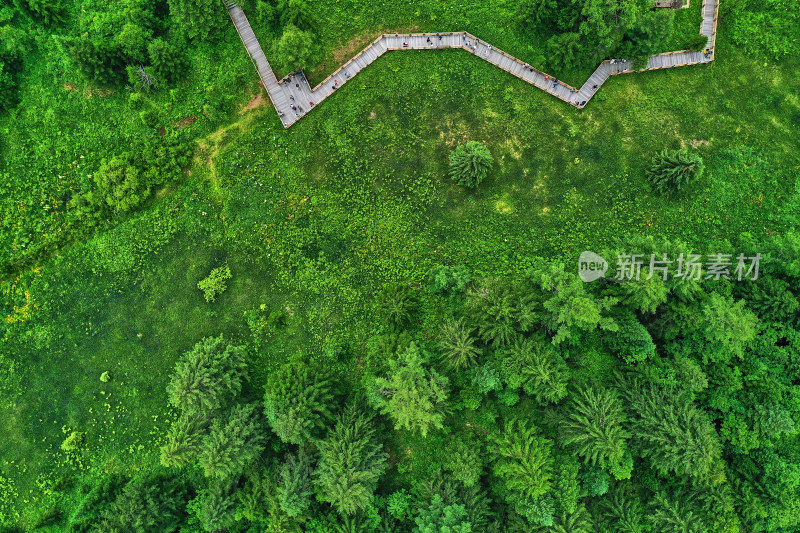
[
  {"x": 457, "y": 345},
  {"x": 524, "y": 464},
  {"x": 146, "y": 504},
  {"x": 674, "y": 434},
  {"x": 440, "y": 518},
  {"x": 536, "y": 367},
  {"x": 470, "y": 163},
  {"x": 167, "y": 59},
  {"x": 396, "y": 304},
  {"x": 198, "y": 19},
  {"x": 295, "y": 49},
  {"x": 295, "y": 488}
]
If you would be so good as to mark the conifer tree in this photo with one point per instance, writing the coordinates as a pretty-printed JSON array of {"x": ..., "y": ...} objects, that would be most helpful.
[
  {"x": 298, "y": 401},
  {"x": 184, "y": 439},
  {"x": 470, "y": 163},
  {"x": 675, "y": 515},
  {"x": 536, "y": 367},
  {"x": 439, "y": 517},
  {"x": 672, "y": 170},
  {"x": 457, "y": 346},
  {"x": 208, "y": 376},
  {"x": 215, "y": 506},
  {"x": 412, "y": 395},
  {"x": 492, "y": 307},
  {"x": 294, "y": 486},
  {"x": 674, "y": 434},
  {"x": 233, "y": 443},
  {"x": 523, "y": 462},
  {"x": 567, "y": 309},
  {"x": 148, "y": 503},
  {"x": 350, "y": 463},
  {"x": 396, "y": 304},
  {"x": 622, "y": 510},
  {"x": 595, "y": 428}
]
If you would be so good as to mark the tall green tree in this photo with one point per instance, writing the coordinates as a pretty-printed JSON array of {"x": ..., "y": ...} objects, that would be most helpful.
[
  {"x": 350, "y": 463},
  {"x": 595, "y": 428},
  {"x": 457, "y": 345},
  {"x": 198, "y": 19},
  {"x": 523, "y": 462},
  {"x": 606, "y": 21},
  {"x": 566, "y": 308},
  {"x": 296, "y": 13},
  {"x": 153, "y": 502},
  {"x": 535, "y": 14},
  {"x": 727, "y": 326},
  {"x": 168, "y": 61},
  {"x": 295, "y": 487},
  {"x": 299, "y": 401},
  {"x": 537, "y": 367},
  {"x": 412, "y": 394},
  {"x": 441, "y": 518},
  {"x": 207, "y": 376},
  {"x": 233, "y": 443},
  {"x": 295, "y": 49},
  {"x": 674, "y": 434},
  {"x": 184, "y": 439},
  {"x": 672, "y": 170}
]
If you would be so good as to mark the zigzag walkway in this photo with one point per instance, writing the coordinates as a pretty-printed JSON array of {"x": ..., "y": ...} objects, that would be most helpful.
[{"x": 293, "y": 97}]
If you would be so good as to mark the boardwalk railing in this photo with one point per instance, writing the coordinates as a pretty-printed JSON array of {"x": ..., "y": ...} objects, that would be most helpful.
[{"x": 293, "y": 97}]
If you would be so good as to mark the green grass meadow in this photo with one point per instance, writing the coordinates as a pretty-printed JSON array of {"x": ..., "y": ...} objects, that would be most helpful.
[{"x": 314, "y": 220}]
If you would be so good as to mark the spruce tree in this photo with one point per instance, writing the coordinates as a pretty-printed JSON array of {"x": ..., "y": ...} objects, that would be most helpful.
[
  {"x": 350, "y": 463},
  {"x": 412, "y": 395},
  {"x": 148, "y": 503},
  {"x": 522, "y": 460},
  {"x": 184, "y": 439},
  {"x": 294, "y": 486},
  {"x": 675, "y": 435},
  {"x": 672, "y": 170},
  {"x": 470, "y": 163},
  {"x": 208, "y": 376},
  {"x": 675, "y": 515},
  {"x": 233, "y": 443},
  {"x": 298, "y": 401},
  {"x": 536, "y": 367},
  {"x": 595, "y": 428},
  {"x": 457, "y": 345}
]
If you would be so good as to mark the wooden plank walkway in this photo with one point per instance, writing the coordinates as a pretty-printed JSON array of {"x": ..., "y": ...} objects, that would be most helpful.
[{"x": 293, "y": 97}]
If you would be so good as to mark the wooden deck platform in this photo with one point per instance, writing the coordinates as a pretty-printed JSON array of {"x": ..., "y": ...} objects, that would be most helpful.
[{"x": 293, "y": 97}]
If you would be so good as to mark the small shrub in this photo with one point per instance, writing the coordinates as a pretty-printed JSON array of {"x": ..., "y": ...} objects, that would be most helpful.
[
  {"x": 73, "y": 442},
  {"x": 136, "y": 100},
  {"x": 149, "y": 118},
  {"x": 697, "y": 43},
  {"x": 214, "y": 284}
]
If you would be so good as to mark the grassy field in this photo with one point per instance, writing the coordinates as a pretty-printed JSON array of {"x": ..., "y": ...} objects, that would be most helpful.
[{"x": 314, "y": 220}]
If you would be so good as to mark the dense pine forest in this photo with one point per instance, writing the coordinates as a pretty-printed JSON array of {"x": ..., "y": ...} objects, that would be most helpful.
[{"x": 376, "y": 321}]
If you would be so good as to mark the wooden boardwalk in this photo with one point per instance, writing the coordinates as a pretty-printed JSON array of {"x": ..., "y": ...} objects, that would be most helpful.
[{"x": 294, "y": 98}]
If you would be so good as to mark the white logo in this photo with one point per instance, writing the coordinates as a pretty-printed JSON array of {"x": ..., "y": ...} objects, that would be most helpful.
[{"x": 591, "y": 266}]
